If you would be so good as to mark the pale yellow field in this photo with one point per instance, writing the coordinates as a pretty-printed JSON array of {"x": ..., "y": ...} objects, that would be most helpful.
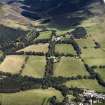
[
  {"x": 12, "y": 63},
  {"x": 36, "y": 48}
]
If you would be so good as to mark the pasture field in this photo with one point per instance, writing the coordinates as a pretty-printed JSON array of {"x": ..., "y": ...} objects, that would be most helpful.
[
  {"x": 68, "y": 67},
  {"x": 35, "y": 66},
  {"x": 31, "y": 97},
  {"x": 92, "y": 53},
  {"x": 95, "y": 61},
  {"x": 100, "y": 104},
  {"x": 88, "y": 42},
  {"x": 101, "y": 72},
  {"x": 44, "y": 35},
  {"x": 12, "y": 63},
  {"x": 86, "y": 84},
  {"x": 96, "y": 32},
  {"x": 64, "y": 49},
  {"x": 36, "y": 48}
]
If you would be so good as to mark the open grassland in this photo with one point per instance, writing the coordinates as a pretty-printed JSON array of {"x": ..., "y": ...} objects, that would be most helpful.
[
  {"x": 68, "y": 67},
  {"x": 101, "y": 72},
  {"x": 44, "y": 35},
  {"x": 32, "y": 97},
  {"x": 88, "y": 42},
  {"x": 95, "y": 61},
  {"x": 92, "y": 53},
  {"x": 86, "y": 84},
  {"x": 96, "y": 32},
  {"x": 64, "y": 49},
  {"x": 36, "y": 48},
  {"x": 35, "y": 66},
  {"x": 100, "y": 104},
  {"x": 12, "y": 63}
]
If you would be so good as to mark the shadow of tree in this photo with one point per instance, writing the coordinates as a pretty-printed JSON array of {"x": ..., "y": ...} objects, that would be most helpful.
[{"x": 79, "y": 32}]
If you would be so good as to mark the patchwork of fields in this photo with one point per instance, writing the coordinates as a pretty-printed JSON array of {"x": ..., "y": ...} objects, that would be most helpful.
[{"x": 58, "y": 60}]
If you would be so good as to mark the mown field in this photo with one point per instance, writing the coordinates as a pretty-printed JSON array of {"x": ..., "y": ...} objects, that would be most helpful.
[
  {"x": 12, "y": 63},
  {"x": 35, "y": 66},
  {"x": 36, "y": 48},
  {"x": 44, "y": 35},
  {"x": 86, "y": 84},
  {"x": 31, "y": 97},
  {"x": 64, "y": 49},
  {"x": 68, "y": 67}
]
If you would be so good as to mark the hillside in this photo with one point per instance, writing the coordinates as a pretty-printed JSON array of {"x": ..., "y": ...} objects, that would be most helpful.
[{"x": 52, "y": 52}]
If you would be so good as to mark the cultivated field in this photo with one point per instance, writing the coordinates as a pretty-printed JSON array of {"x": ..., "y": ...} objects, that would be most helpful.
[
  {"x": 36, "y": 48},
  {"x": 64, "y": 49},
  {"x": 35, "y": 66},
  {"x": 32, "y": 97},
  {"x": 86, "y": 84},
  {"x": 12, "y": 63},
  {"x": 68, "y": 67}
]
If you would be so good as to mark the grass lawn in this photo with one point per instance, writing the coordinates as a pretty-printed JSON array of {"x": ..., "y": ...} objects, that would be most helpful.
[
  {"x": 36, "y": 48},
  {"x": 12, "y": 63},
  {"x": 35, "y": 66},
  {"x": 64, "y": 49},
  {"x": 87, "y": 84},
  {"x": 68, "y": 67},
  {"x": 44, "y": 35},
  {"x": 32, "y": 97}
]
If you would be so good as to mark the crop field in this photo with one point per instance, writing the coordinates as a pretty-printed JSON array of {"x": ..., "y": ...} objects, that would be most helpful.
[
  {"x": 44, "y": 35},
  {"x": 86, "y": 84},
  {"x": 36, "y": 48},
  {"x": 32, "y": 97},
  {"x": 35, "y": 66},
  {"x": 64, "y": 49},
  {"x": 68, "y": 67},
  {"x": 12, "y": 63}
]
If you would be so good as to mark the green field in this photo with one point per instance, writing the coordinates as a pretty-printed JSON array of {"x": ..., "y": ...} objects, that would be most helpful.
[
  {"x": 101, "y": 72},
  {"x": 32, "y": 97},
  {"x": 64, "y": 49},
  {"x": 100, "y": 104},
  {"x": 12, "y": 63},
  {"x": 96, "y": 32},
  {"x": 86, "y": 84},
  {"x": 35, "y": 66},
  {"x": 68, "y": 67},
  {"x": 88, "y": 42},
  {"x": 44, "y": 35},
  {"x": 97, "y": 62},
  {"x": 36, "y": 48},
  {"x": 92, "y": 53}
]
